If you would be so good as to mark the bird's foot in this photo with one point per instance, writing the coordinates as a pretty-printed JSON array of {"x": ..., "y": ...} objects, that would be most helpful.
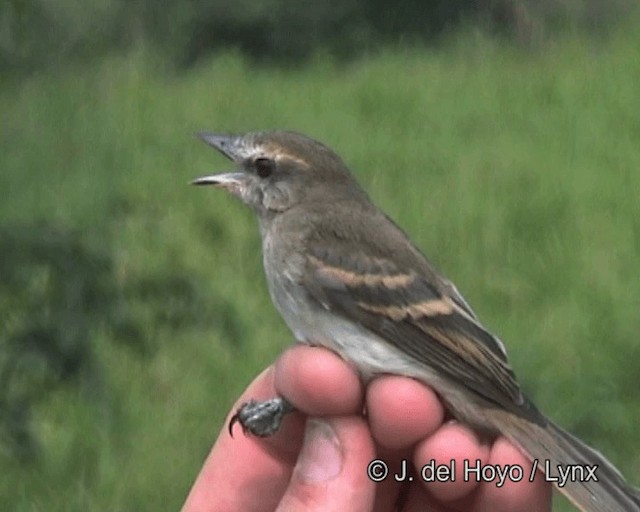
[{"x": 261, "y": 419}]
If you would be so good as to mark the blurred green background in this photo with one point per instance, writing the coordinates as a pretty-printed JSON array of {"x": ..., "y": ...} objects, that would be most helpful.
[{"x": 503, "y": 135}]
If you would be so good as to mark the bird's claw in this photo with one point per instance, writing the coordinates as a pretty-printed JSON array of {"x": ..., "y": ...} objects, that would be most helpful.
[{"x": 261, "y": 419}]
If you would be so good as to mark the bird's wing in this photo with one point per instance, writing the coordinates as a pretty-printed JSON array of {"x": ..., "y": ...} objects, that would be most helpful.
[{"x": 403, "y": 306}]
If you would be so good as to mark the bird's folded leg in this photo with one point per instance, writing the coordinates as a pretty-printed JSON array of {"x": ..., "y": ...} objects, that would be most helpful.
[{"x": 261, "y": 419}]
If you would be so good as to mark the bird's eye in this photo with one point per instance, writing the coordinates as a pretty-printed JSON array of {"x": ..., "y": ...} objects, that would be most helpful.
[{"x": 264, "y": 167}]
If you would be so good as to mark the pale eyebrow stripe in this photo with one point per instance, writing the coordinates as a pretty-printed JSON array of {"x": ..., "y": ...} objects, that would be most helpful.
[
  {"x": 293, "y": 159},
  {"x": 277, "y": 152}
]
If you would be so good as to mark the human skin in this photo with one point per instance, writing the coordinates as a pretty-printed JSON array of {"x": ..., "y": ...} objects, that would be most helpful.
[{"x": 326, "y": 469}]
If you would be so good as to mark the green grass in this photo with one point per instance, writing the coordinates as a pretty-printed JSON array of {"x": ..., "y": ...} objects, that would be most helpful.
[{"x": 518, "y": 173}]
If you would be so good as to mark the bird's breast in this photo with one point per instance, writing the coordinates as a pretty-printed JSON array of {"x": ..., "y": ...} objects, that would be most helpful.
[{"x": 314, "y": 324}]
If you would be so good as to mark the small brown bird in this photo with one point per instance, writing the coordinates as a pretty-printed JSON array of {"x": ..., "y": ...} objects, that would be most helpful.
[{"x": 345, "y": 276}]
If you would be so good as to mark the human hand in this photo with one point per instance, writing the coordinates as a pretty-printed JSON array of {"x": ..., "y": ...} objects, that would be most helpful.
[{"x": 325, "y": 468}]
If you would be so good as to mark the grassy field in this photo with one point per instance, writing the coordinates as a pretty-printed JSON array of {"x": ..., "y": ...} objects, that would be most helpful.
[{"x": 518, "y": 174}]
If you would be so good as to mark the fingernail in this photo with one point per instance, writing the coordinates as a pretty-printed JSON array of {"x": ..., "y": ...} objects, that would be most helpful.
[{"x": 321, "y": 457}]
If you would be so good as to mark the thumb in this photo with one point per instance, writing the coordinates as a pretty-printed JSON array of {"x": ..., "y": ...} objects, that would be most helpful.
[{"x": 331, "y": 472}]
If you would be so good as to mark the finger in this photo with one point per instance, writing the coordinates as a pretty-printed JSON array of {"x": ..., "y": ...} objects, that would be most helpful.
[
  {"x": 514, "y": 495},
  {"x": 441, "y": 459},
  {"x": 246, "y": 473},
  {"x": 402, "y": 411},
  {"x": 331, "y": 470},
  {"x": 318, "y": 382}
]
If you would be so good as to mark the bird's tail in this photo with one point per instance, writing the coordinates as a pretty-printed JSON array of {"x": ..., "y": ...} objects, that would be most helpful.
[{"x": 581, "y": 473}]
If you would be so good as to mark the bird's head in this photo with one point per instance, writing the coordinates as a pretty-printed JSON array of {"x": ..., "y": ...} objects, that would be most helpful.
[{"x": 278, "y": 170}]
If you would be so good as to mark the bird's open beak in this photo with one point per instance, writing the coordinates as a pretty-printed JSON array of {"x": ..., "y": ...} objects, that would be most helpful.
[
  {"x": 228, "y": 180},
  {"x": 231, "y": 146},
  {"x": 234, "y": 149}
]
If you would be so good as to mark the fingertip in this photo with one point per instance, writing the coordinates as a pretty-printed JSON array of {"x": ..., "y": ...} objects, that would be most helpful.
[
  {"x": 518, "y": 492},
  {"x": 452, "y": 446},
  {"x": 318, "y": 382},
  {"x": 402, "y": 411}
]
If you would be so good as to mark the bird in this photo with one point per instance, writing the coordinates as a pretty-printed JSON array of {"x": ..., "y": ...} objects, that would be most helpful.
[{"x": 344, "y": 276}]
